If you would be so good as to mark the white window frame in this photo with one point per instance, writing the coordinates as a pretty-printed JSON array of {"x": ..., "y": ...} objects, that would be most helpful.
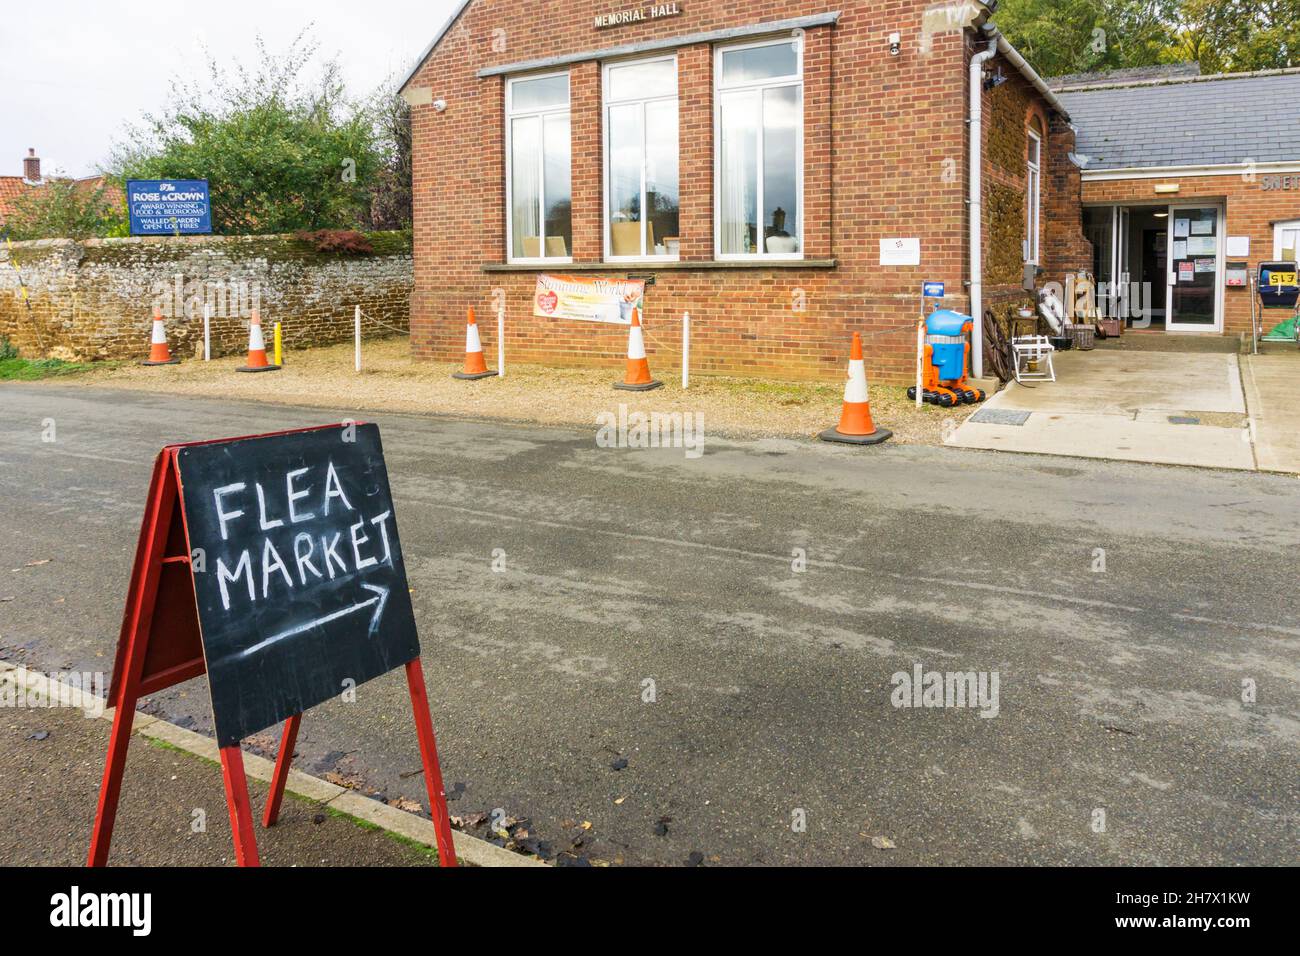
[
  {"x": 1278, "y": 229},
  {"x": 606, "y": 104},
  {"x": 796, "y": 79},
  {"x": 1034, "y": 198},
  {"x": 541, "y": 114}
]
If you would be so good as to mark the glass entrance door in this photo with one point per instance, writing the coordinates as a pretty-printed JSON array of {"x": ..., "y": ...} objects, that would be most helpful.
[
  {"x": 1195, "y": 298},
  {"x": 1120, "y": 272}
]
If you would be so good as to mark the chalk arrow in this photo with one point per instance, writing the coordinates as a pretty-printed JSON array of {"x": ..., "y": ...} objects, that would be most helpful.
[
  {"x": 382, "y": 599},
  {"x": 378, "y": 602}
]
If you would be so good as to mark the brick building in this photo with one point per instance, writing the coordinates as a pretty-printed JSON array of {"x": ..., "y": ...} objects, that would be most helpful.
[
  {"x": 788, "y": 171},
  {"x": 1189, "y": 183}
]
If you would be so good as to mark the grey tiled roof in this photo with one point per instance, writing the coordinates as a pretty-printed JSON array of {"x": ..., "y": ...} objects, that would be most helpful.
[{"x": 1189, "y": 123}]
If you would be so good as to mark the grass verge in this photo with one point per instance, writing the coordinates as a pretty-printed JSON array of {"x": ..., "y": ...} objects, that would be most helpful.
[{"x": 29, "y": 370}]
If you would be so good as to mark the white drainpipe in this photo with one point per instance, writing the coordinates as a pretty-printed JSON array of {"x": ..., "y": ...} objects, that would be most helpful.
[{"x": 977, "y": 204}]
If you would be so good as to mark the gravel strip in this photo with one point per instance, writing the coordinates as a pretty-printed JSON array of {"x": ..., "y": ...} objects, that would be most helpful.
[{"x": 393, "y": 381}]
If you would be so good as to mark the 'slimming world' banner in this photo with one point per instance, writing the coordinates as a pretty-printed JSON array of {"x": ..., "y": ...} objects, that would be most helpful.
[{"x": 588, "y": 300}]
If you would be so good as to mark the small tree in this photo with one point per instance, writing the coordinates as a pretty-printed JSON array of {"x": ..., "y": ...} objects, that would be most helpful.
[
  {"x": 65, "y": 209},
  {"x": 282, "y": 152},
  {"x": 390, "y": 193}
]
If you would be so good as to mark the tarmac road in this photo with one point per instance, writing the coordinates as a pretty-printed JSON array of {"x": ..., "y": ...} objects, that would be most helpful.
[{"x": 768, "y": 734}]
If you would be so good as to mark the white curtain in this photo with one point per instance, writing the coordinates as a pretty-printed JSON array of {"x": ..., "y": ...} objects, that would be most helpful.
[
  {"x": 526, "y": 198},
  {"x": 737, "y": 190}
]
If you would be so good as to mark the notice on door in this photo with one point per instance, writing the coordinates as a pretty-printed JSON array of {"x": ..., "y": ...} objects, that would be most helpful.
[{"x": 1186, "y": 272}]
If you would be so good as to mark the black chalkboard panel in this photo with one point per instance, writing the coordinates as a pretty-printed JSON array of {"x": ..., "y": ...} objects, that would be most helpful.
[{"x": 298, "y": 571}]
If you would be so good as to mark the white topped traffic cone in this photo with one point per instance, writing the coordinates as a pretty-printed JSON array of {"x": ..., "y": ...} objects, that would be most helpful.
[
  {"x": 475, "y": 363},
  {"x": 856, "y": 426},
  {"x": 638, "y": 378},
  {"x": 257, "y": 360},
  {"x": 159, "y": 353}
]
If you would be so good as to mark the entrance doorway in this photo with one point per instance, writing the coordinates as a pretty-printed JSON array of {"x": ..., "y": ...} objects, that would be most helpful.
[{"x": 1161, "y": 267}]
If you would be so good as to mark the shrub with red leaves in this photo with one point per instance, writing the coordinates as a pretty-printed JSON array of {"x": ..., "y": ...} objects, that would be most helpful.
[{"x": 345, "y": 241}]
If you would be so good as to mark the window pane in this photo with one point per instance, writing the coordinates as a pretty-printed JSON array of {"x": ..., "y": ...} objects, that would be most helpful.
[
  {"x": 738, "y": 172},
  {"x": 525, "y": 187},
  {"x": 1032, "y": 215},
  {"x": 661, "y": 176},
  {"x": 643, "y": 80},
  {"x": 1033, "y": 150},
  {"x": 1290, "y": 243},
  {"x": 759, "y": 63},
  {"x": 625, "y": 180},
  {"x": 559, "y": 188},
  {"x": 545, "y": 93},
  {"x": 781, "y": 119}
]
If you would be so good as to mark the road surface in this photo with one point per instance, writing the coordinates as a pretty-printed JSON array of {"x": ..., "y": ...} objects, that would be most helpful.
[{"x": 734, "y": 627}]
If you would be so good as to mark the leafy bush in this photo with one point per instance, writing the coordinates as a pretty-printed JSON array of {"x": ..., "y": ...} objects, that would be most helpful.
[
  {"x": 7, "y": 349},
  {"x": 66, "y": 209},
  {"x": 282, "y": 145}
]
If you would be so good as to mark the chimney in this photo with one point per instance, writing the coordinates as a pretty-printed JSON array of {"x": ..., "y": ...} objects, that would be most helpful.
[{"x": 32, "y": 167}]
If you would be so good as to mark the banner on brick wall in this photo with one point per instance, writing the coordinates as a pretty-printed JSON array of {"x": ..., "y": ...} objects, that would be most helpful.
[{"x": 588, "y": 300}]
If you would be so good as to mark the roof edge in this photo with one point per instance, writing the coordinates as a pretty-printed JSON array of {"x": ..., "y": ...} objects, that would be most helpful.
[
  {"x": 1178, "y": 80},
  {"x": 437, "y": 38},
  {"x": 1026, "y": 70}
]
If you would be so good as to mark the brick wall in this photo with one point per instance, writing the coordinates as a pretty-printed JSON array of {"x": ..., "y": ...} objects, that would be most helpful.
[
  {"x": 94, "y": 299},
  {"x": 1251, "y": 211},
  {"x": 884, "y": 156}
]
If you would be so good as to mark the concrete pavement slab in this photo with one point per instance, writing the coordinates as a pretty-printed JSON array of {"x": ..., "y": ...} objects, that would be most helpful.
[
  {"x": 1116, "y": 438},
  {"x": 1273, "y": 397},
  {"x": 1121, "y": 383},
  {"x": 1157, "y": 407}
]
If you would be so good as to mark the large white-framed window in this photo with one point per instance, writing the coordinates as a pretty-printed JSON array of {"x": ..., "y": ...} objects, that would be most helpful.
[
  {"x": 1033, "y": 196},
  {"x": 758, "y": 162},
  {"x": 539, "y": 169},
  {"x": 642, "y": 160},
  {"x": 1286, "y": 241}
]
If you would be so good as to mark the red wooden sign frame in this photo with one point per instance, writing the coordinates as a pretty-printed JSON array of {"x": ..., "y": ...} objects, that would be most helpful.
[{"x": 161, "y": 645}]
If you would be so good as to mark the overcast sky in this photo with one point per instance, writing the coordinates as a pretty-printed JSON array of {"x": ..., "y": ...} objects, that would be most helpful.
[{"x": 74, "y": 72}]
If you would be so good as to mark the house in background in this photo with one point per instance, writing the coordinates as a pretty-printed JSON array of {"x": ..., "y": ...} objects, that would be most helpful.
[{"x": 13, "y": 188}]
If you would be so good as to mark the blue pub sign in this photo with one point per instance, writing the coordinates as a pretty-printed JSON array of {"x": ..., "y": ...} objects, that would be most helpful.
[{"x": 169, "y": 207}]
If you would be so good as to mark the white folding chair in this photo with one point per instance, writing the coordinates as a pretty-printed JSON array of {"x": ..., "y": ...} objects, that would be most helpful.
[{"x": 1035, "y": 349}]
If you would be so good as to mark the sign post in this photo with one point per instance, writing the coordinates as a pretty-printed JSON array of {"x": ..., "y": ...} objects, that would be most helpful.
[
  {"x": 273, "y": 565},
  {"x": 929, "y": 290}
]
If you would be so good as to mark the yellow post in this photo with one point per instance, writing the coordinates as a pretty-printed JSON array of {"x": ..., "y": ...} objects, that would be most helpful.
[{"x": 279, "y": 346}]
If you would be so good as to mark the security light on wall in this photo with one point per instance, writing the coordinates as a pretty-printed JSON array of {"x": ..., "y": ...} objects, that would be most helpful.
[
  {"x": 895, "y": 44},
  {"x": 440, "y": 105},
  {"x": 1166, "y": 188}
]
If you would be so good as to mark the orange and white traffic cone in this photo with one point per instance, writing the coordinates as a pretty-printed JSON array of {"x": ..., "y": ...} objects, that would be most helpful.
[
  {"x": 257, "y": 360},
  {"x": 856, "y": 426},
  {"x": 475, "y": 364},
  {"x": 159, "y": 353},
  {"x": 638, "y": 367}
]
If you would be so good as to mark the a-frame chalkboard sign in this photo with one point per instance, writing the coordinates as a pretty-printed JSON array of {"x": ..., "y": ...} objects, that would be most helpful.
[{"x": 272, "y": 564}]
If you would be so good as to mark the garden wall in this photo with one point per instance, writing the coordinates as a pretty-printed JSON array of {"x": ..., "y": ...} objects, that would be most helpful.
[{"x": 93, "y": 299}]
